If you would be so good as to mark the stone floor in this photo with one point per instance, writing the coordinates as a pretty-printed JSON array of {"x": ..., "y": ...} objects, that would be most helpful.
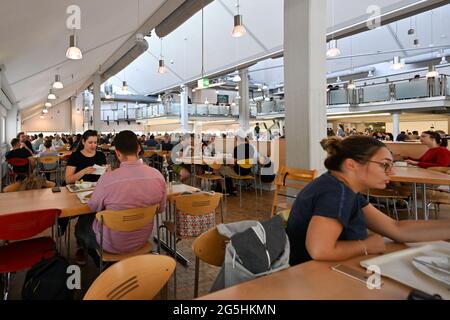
[{"x": 252, "y": 208}]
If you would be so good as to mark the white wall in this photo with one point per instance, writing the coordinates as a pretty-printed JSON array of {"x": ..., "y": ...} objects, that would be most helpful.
[
  {"x": 419, "y": 126},
  {"x": 56, "y": 120}
]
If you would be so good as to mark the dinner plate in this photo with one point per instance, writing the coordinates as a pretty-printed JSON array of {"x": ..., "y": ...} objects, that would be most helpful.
[{"x": 430, "y": 266}]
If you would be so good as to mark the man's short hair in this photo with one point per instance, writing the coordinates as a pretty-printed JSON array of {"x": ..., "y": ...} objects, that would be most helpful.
[
  {"x": 19, "y": 134},
  {"x": 40, "y": 135},
  {"x": 126, "y": 142},
  {"x": 15, "y": 142}
]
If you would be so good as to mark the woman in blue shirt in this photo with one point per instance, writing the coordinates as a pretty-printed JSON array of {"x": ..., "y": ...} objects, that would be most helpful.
[{"x": 330, "y": 218}]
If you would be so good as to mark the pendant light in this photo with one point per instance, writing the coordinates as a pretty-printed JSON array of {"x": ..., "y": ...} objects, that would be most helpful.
[
  {"x": 443, "y": 60},
  {"x": 51, "y": 95},
  {"x": 58, "y": 84},
  {"x": 206, "y": 101},
  {"x": 42, "y": 116},
  {"x": 45, "y": 110},
  {"x": 432, "y": 72},
  {"x": 48, "y": 104},
  {"x": 351, "y": 85},
  {"x": 333, "y": 50},
  {"x": 237, "y": 78},
  {"x": 73, "y": 52},
  {"x": 159, "y": 98},
  {"x": 239, "y": 29},
  {"x": 397, "y": 64},
  {"x": 124, "y": 86},
  {"x": 162, "y": 67}
]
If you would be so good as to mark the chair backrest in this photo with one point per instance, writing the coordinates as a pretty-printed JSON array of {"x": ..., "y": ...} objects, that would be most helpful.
[
  {"x": 198, "y": 204},
  {"x": 23, "y": 225},
  {"x": 136, "y": 278},
  {"x": 294, "y": 178},
  {"x": 127, "y": 220},
  {"x": 61, "y": 149},
  {"x": 48, "y": 159},
  {"x": 291, "y": 178},
  {"x": 210, "y": 247},
  {"x": 16, "y": 186},
  {"x": 148, "y": 153},
  {"x": 18, "y": 162},
  {"x": 246, "y": 163}
]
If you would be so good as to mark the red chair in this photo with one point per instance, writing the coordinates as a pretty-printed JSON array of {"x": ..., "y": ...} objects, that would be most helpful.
[
  {"x": 14, "y": 163},
  {"x": 22, "y": 254}
]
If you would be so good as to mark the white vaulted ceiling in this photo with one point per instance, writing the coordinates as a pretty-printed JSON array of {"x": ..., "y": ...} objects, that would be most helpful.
[{"x": 34, "y": 39}]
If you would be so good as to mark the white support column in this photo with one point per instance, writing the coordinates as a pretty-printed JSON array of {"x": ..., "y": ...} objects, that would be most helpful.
[
  {"x": 97, "y": 103},
  {"x": 184, "y": 109},
  {"x": 305, "y": 82},
  {"x": 244, "y": 107},
  {"x": 396, "y": 124}
]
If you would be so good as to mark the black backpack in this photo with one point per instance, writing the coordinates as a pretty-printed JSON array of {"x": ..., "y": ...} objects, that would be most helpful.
[{"x": 47, "y": 280}]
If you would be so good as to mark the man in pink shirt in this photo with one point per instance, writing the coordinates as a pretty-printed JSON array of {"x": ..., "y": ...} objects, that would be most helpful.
[{"x": 132, "y": 185}]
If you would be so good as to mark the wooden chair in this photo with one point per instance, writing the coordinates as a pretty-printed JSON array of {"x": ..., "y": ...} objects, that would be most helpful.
[
  {"x": 50, "y": 160},
  {"x": 393, "y": 194},
  {"x": 244, "y": 164},
  {"x": 213, "y": 176},
  {"x": 125, "y": 221},
  {"x": 210, "y": 248},
  {"x": 197, "y": 204},
  {"x": 17, "y": 162},
  {"x": 137, "y": 278},
  {"x": 288, "y": 179},
  {"x": 16, "y": 186}
]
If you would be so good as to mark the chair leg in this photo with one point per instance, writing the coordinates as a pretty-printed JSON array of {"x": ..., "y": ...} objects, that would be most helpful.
[
  {"x": 395, "y": 209},
  {"x": 197, "y": 267},
  {"x": 6, "y": 284}
]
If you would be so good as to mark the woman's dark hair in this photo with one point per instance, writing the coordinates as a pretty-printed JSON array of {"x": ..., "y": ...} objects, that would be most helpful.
[
  {"x": 86, "y": 135},
  {"x": 48, "y": 143},
  {"x": 359, "y": 148},
  {"x": 126, "y": 142},
  {"x": 441, "y": 141}
]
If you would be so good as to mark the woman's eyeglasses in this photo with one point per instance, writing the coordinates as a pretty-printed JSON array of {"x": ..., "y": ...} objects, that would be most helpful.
[{"x": 386, "y": 165}]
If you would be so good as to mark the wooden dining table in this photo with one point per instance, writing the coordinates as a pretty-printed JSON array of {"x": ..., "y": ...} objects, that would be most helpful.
[
  {"x": 416, "y": 175},
  {"x": 315, "y": 280},
  {"x": 67, "y": 202}
]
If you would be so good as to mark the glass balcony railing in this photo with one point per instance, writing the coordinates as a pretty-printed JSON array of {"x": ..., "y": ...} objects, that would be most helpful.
[{"x": 397, "y": 90}]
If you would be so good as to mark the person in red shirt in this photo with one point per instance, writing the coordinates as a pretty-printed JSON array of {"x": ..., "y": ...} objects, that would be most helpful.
[{"x": 437, "y": 156}]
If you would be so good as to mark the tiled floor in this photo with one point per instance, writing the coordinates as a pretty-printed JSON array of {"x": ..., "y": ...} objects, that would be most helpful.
[{"x": 252, "y": 209}]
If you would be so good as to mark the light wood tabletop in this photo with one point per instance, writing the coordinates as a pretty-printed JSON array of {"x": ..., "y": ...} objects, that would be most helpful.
[
  {"x": 419, "y": 175},
  {"x": 68, "y": 202},
  {"x": 42, "y": 199},
  {"x": 314, "y": 281}
]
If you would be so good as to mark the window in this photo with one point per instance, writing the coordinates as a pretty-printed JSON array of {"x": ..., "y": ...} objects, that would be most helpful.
[{"x": 3, "y": 131}]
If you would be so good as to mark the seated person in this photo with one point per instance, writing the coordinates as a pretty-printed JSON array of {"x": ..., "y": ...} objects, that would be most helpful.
[
  {"x": 132, "y": 185},
  {"x": 18, "y": 152},
  {"x": 48, "y": 152},
  {"x": 330, "y": 218},
  {"x": 151, "y": 142},
  {"x": 437, "y": 155},
  {"x": 24, "y": 142},
  {"x": 243, "y": 151},
  {"x": 81, "y": 162},
  {"x": 166, "y": 145}
]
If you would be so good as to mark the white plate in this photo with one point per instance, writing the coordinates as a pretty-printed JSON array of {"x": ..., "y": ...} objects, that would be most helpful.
[
  {"x": 399, "y": 267},
  {"x": 437, "y": 275}
]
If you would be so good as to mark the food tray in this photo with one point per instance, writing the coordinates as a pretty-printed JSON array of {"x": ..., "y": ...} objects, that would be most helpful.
[{"x": 399, "y": 267}]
